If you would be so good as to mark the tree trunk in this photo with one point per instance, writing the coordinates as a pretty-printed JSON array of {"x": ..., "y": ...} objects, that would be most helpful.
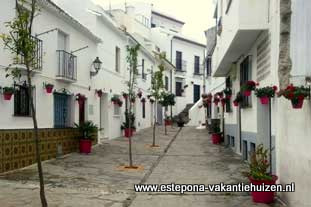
[
  {"x": 165, "y": 129},
  {"x": 37, "y": 141},
  {"x": 154, "y": 132}
]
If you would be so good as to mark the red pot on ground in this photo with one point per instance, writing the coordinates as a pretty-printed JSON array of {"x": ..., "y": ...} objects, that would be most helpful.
[
  {"x": 49, "y": 89},
  {"x": 228, "y": 96},
  {"x": 128, "y": 132},
  {"x": 85, "y": 146},
  {"x": 7, "y": 96},
  {"x": 247, "y": 93},
  {"x": 235, "y": 103},
  {"x": 263, "y": 197},
  {"x": 216, "y": 138},
  {"x": 168, "y": 122},
  {"x": 264, "y": 100},
  {"x": 297, "y": 105}
]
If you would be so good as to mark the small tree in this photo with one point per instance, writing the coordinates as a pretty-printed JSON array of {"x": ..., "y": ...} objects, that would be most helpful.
[
  {"x": 132, "y": 61},
  {"x": 157, "y": 90},
  {"x": 167, "y": 99},
  {"x": 20, "y": 43}
]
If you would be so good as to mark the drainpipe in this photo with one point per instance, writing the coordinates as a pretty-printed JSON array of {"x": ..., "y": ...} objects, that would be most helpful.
[{"x": 270, "y": 137}]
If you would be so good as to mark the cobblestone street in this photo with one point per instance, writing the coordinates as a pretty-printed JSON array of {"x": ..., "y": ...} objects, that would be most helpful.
[{"x": 94, "y": 180}]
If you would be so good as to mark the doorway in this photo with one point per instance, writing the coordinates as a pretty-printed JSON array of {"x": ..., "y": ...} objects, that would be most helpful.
[{"x": 196, "y": 93}]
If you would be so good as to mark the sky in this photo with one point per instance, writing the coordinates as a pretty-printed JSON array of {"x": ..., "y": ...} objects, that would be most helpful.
[{"x": 197, "y": 14}]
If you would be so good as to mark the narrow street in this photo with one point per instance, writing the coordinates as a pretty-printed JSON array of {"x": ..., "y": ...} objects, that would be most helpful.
[{"x": 94, "y": 180}]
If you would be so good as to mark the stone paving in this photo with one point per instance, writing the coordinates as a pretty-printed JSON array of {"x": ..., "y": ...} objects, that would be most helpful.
[{"x": 94, "y": 180}]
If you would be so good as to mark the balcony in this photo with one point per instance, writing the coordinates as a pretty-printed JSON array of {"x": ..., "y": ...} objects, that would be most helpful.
[
  {"x": 67, "y": 66},
  {"x": 238, "y": 30},
  {"x": 36, "y": 63},
  {"x": 199, "y": 70},
  {"x": 181, "y": 66}
]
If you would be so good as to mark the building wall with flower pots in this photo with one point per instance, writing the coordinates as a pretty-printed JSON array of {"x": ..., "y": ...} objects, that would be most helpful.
[
  {"x": 289, "y": 127},
  {"x": 293, "y": 129},
  {"x": 78, "y": 37}
]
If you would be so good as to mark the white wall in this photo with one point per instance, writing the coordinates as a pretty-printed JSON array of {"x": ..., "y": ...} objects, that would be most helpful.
[{"x": 44, "y": 102}]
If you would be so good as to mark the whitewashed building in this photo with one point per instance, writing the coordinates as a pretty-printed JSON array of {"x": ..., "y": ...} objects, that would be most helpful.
[
  {"x": 248, "y": 47},
  {"x": 112, "y": 79},
  {"x": 66, "y": 51},
  {"x": 160, "y": 33}
]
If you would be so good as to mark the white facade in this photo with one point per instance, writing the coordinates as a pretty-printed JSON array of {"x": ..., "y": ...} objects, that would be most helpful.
[
  {"x": 77, "y": 37},
  {"x": 101, "y": 38},
  {"x": 253, "y": 31},
  {"x": 161, "y": 33}
]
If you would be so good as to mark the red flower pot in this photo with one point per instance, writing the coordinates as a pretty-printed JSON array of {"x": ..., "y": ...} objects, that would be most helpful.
[
  {"x": 235, "y": 103},
  {"x": 49, "y": 89},
  {"x": 264, "y": 100},
  {"x": 247, "y": 93},
  {"x": 168, "y": 122},
  {"x": 263, "y": 197},
  {"x": 216, "y": 138},
  {"x": 128, "y": 132},
  {"x": 7, "y": 96},
  {"x": 228, "y": 96},
  {"x": 216, "y": 103},
  {"x": 85, "y": 146},
  {"x": 297, "y": 105}
]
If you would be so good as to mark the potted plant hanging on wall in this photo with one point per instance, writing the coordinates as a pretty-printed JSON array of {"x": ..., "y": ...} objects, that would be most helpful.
[
  {"x": 296, "y": 95},
  {"x": 139, "y": 94},
  {"x": 115, "y": 99},
  {"x": 49, "y": 87},
  {"x": 265, "y": 93},
  {"x": 223, "y": 102},
  {"x": 258, "y": 175},
  {"x": 125, "y": 95},
  {"x": 88, "y": 130},
  {"x": 128, "y": 131},
  {"x": 248, "y": 87},
  {"x": 119, "y": 103},
  {"x": 99, "y": 92},
  {"x": 216, "y": 99},
  {"x": 7, "y": 93},
  {"x": 238, "y": 99}
]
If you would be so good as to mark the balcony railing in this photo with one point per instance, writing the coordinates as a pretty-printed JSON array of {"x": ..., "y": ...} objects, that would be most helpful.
[
  {"x": 36, "y": 62},
  {"x": 199, "y": 71},
  {"x": 67, "y": 65},
  {"x": 181, "y": 65}
]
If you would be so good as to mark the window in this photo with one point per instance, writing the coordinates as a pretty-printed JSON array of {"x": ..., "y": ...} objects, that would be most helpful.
[
  {"x": 144, "y": 109},
  {"x": 143, "y": 75},
  {"x": 22, "y": 101},
  {"x": 228, "y": 102},
  {"x": 209, "y": 66},
  {"x": 196, "y": 65},
  {"x": 178, "y": 60},
  {"x": 178, "y": 91},
  {"x": 153, "y": 25},
  {"x": 117, "y": 59},
  {"x": 62, "y": 41},
  {"x": 253, "y": 148},
  {"x": 166, "y": 83},
  {"x": 245, "y": 75}
]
